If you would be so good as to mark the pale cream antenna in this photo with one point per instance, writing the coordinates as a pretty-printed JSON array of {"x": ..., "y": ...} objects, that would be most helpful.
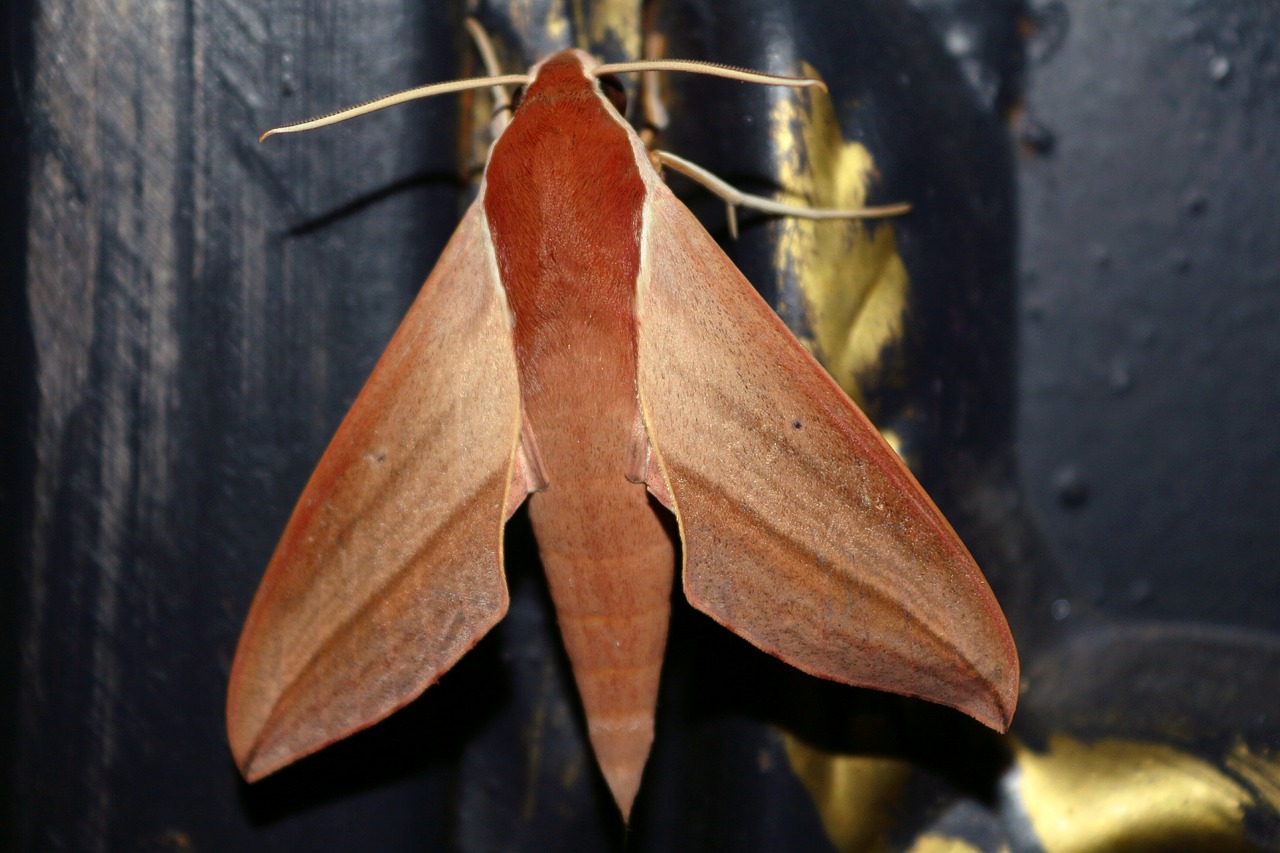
[
  {"x": 710, "y": 69},
  {"x": 685, "y": 65},
  {"x": 399, "y": 98},
  {"x": 734, "y": 198},
  {"x": 656, "y": 114}
]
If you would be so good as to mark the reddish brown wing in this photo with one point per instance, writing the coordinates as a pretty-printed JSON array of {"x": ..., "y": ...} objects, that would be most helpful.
[
  {"x": 391, "y": 566},
  {"x": 803, "y": 532}
]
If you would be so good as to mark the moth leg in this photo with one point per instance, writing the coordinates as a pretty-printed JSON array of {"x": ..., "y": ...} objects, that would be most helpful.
[
  {"x": 502, "y": 108},
  {"x": 734, "y": 198},
  {"x": 528, "y": 474},
  {"x": 653, "y": 112},
  {"x": 642, "y": 462}
]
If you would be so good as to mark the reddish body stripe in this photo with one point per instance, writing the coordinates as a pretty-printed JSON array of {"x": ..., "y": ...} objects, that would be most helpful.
[{"x": 565, "y": 206}]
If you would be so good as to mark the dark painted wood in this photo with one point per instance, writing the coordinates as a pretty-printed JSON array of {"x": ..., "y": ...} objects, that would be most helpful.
[
  {"x": 203, "y": 310},
  {"x": 199, "y": 311}
]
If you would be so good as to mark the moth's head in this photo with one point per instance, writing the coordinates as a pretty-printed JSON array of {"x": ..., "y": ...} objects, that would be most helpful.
[{"x": 569, "y": 70}]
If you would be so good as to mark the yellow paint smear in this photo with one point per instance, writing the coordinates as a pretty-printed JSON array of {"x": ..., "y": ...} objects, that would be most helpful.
[
  {"x": 930, "y": 843},
  {"x": 606, "y": 20},
  {"x": 855, "y": 795},
  {"x": 854, "y": 282},
  {"x": 1259, "y": 771},
  {"x": 1118, "y": 795}
]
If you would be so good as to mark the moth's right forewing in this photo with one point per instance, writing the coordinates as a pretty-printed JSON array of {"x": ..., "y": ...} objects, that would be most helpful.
[
  {"x": 803, "y": 532},
  {"x": 390, "y": 568}
]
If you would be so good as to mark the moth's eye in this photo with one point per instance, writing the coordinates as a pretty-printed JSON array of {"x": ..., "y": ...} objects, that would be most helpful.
[
  {"x": 612, "y": 88},
  {"x": 516, "y": 98}
]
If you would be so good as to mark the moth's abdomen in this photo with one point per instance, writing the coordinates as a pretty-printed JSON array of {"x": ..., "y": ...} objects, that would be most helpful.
[{"x": 613, "y": 604}]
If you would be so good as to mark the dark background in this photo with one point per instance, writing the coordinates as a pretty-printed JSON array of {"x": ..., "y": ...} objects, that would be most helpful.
[
  {"x": 1092, "y": 394},
  {"x": 1150, "y": 317}
]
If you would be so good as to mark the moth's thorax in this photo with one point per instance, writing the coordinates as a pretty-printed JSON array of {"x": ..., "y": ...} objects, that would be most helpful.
[{"x": 564, "y": 201}]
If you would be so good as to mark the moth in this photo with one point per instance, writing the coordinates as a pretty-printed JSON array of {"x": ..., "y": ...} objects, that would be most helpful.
[{"x": 584, "y": 344}]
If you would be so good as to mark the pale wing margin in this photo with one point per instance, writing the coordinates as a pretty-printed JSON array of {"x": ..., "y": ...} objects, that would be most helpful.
[
  {"x": 390, "y": 568},
  {"x": 803, "y": 532}
]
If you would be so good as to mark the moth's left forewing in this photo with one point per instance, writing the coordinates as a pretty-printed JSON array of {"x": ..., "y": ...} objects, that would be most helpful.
[
  {"x": 803, "y": 532},
  {"x": 391, "y": 566}
]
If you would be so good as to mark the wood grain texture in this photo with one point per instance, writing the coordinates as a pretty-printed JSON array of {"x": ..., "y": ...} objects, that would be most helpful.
[
  {"x": 106, "y": 255},
  {"x": 201, "y": 311}
]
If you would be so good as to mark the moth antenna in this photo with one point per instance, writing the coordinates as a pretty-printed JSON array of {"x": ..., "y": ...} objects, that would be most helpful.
[
  {"x": 735, "y": 198},
  {"x": 710, "y": 69},
  {"x": 489, "y": 58},
  {"x": 398, "y": 98}
]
